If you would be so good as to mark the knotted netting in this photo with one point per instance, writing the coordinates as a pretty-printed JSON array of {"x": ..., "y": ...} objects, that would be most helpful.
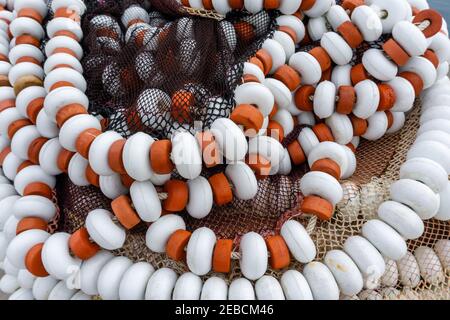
[{"x": 195, "y": 58}]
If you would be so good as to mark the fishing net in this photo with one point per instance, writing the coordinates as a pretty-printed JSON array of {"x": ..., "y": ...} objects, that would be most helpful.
[
  {"x": 132, "y": 82},
  {"x": 180, "y": 74}
]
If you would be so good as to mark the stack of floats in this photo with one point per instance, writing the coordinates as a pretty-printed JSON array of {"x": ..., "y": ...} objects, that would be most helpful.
[{"x": 46, "y": 131}]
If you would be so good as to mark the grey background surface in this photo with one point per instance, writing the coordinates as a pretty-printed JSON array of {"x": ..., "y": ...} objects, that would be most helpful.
[{"x": 2, "y": 295}]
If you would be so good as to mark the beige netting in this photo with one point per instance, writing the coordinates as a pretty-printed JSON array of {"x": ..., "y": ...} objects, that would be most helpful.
[{"x": 378, "y": 167}]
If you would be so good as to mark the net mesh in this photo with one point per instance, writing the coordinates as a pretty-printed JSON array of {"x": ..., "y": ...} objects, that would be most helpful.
[
  {"x": 180, "y": 73},
  {"x": 133, "y": 85}
]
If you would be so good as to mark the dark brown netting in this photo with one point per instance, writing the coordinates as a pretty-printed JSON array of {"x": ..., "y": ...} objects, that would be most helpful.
[{"x": 135, "y": 85}]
